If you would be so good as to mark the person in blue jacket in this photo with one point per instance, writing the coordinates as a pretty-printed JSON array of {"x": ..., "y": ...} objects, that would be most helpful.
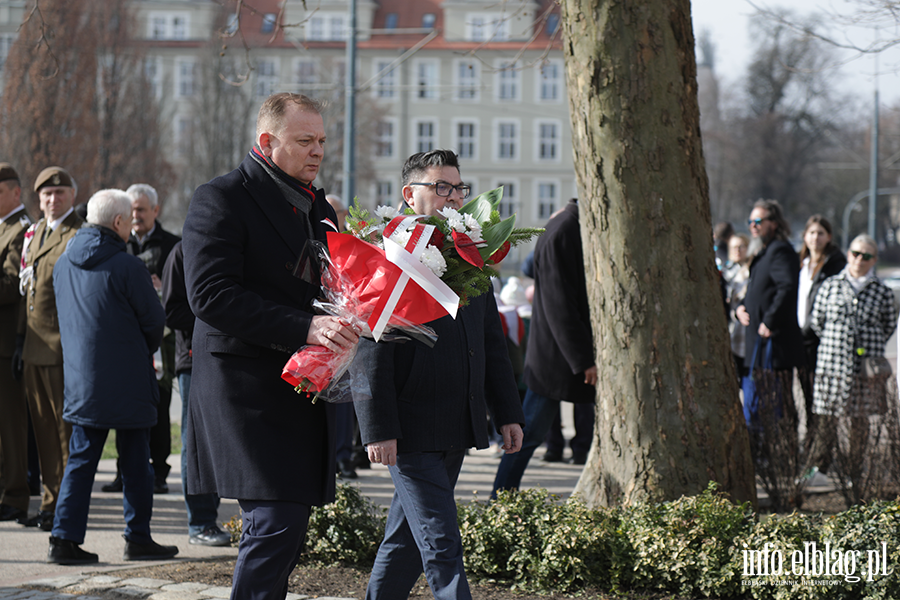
[{"x": 110, "y": 322}]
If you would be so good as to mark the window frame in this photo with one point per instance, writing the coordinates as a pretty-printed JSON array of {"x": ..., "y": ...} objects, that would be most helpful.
[
  {"x": 498, "y": 140},
  {"x": 473, "y": 141}
]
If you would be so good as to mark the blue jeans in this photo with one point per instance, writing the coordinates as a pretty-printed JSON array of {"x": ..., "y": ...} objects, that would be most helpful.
[
  {"x": 422, "y": 530},
  {"x": 271, "y": 540},
  {"x": 85, "y": 448},
  {"x": 539, "y": 412},
  {"x": 202, "y": 509}
]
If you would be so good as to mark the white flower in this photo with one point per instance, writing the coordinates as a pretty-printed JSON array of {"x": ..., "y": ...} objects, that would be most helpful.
[
  {"x": 386, "y": 212},
  {"x": 401, "y": 236},
  {"x": 474, "y": 228},
  {"x": 434, "y": 260}
]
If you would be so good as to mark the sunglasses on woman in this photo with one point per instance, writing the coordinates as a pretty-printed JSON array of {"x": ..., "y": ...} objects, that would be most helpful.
[{"x": 865, "y": 255}]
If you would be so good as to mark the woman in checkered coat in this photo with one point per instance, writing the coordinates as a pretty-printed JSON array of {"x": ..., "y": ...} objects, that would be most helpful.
[{"x": 854, "y": 316}]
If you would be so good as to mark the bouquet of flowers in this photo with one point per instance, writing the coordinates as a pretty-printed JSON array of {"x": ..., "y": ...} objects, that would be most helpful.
[{"x": 393, "y": 272}]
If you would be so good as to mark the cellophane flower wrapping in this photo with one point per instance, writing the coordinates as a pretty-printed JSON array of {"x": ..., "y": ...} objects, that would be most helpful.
[{"x": 354, "y": 277}]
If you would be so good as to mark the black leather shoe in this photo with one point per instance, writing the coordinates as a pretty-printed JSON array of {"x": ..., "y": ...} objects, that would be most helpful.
[
  {"x": 10, "y": 513},
  {"x": 64, "y": 552},
  {"x": 345, "y": 470},
  {"x": 579, "y": 459},
  {"x": 211, "y": 536},
  {"x": 552, "y": 456},
  {"x": 160, "y": 486},
  {"x": 43, "y": 519},
  {"x": 151, "y": 551},
  {"x": 115, "y": 486}
]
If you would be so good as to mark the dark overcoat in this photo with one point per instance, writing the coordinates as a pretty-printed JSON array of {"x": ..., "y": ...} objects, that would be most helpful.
[
  {"x": 834, "y": 264},
  {"x": 772, "y": 299},
  {"x": 436, "y": 399},
  {"x": 560, "y": 343},
  {"x": 250, "y": 436}
]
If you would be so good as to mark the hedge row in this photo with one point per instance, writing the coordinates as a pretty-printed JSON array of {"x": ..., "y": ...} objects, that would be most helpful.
[{"x": 700, "y": 546}]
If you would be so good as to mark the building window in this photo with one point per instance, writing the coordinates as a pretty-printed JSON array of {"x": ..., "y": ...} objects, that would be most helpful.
[
  {"x": 6, "y": 42},
  {"x": 187, "y": 71},
  {"x": 268, "y": 22},
  {"x": 386, "y": 86},
  {"x": 183, "y": 135},
  {"x": 487, "y": 27},
  {"x": 467, "y": 80},
  {"x": 548, "y": 140},
  {"x": 507, "y": 82},
  {"x": 336, "y": 28},
  {"x": 548, "y": 198},
  {"x": 168, "y": 26},
  {"x": 552, "y": 24},
  {"x": 507, "y": 140},
  {"x": 384, "y": 146},
  {"x": 509, "y": 204},
  {"x": 384, "y": 193},
  {"x": 179, "y": 28},
  {"x": 266, "y": 77},
  {"x": 305, "y": 73},
  {"x": 426, "y": 136},
  {"x": 153, "y": 76},
  {"x": 550, "y": 83},
  {"x": 427, "y": 80},
  {"x": 316, "y": 29},
  {"x": 390, "y": 21},
  {"x": 467, "y": 140},
  {"x": 428, "y": 20}
]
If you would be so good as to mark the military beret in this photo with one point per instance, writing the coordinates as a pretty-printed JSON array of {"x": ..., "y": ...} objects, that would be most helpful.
[
  {"x": 7, "y": 172},
  {"x": 53, "y": 176}
]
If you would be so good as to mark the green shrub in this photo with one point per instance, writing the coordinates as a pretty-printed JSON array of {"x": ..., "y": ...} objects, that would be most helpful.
[
  {"x": 348, "y": 530},
  {"x": 531, "y": 541},
  {"x": 686, "y": 546}
]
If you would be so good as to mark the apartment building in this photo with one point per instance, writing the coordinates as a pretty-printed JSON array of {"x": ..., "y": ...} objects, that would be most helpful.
[{"x": 481, "y": 77}]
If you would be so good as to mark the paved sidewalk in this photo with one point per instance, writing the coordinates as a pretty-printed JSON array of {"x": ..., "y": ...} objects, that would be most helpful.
[{"x": 24, "y": 550}]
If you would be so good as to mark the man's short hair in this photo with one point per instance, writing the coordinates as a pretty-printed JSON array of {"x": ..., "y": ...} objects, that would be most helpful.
[
  {"x": 142, "y": 189},
  {"x": 776, "y": 215},
  {"x": 417, "y": 164},
  {"x": 271, "y": 113},
  {"x": 105, "y": 205}
]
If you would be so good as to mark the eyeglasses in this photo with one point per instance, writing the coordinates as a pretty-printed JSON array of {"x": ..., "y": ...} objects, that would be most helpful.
[
  {"x": 757, "y": 222},
  {"x": 442, "y": 188},
  {"x": 865, "y": 255}
]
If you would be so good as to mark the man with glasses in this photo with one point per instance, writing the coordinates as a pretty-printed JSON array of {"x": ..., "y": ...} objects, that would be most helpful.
[
  {"x": 428, "y": 407},
  {"x": 773, "y": 339}
]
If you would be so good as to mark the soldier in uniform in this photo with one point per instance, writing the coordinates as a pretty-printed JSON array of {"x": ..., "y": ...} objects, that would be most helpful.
[
  {"x": 14, "y": 221},
  {"x": 38, "y": 343}
]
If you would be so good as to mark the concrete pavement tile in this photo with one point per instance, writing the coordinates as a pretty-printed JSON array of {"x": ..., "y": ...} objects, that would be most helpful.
[
  {"x": 130, "y": 591},
  {"x": 297, "y": 597},
  {"x": 176, "y": 596},
  {"x": 188, "y": 586},
  {"x": 38, "y": 595},
  {"x": 146, "y": 582},
  {"x": 213, "y": 592},
  {"x": 57, "y": 582}
]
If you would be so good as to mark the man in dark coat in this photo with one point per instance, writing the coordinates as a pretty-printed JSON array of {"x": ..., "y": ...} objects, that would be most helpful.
[
  {"x": 427, "y": 408},
  {"x": 559, "y": 363},
  {"x": 250, "y": 436},
  {"x": 108, "y": 343},
  {"x": 14, "y": 221},
  {"x": 202, "y": 509},
  {"x": 152, "y": 244},
  {"x": 769, "y": 310}
]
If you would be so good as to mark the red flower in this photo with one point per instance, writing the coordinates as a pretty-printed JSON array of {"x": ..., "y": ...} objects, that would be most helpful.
[
  {"x": 501, "y": 253},
  {"x": 437, "y": 239},
  {"x": 467, "y": 250}
]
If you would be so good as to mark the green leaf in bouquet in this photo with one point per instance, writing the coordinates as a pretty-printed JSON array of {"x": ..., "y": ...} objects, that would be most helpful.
[
  {"x": 496, "y": 235},
  {"x": 480, "y": 206}
]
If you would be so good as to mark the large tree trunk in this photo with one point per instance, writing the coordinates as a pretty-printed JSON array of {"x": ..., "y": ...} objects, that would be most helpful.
[{"x": 668, "y": 415}]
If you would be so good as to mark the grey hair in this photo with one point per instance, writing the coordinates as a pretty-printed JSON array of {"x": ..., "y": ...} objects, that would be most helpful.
[
  {"x": 867, "y": 240},
  {"x": 105, "y": 205},
  {"x": 142, "y": 189}
]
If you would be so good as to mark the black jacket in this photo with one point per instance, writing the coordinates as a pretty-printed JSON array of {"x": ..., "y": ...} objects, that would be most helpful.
[
  {"x": 179, "y": 317},
  {"x": 772, "y": 299},
  {"x": 436, "y": 399},
  {"x": 249, "y": 435},
  {"x": 155, "y": 248},
  {"x": 834, "y": 264},
  {"x": 560, "y": 342}
]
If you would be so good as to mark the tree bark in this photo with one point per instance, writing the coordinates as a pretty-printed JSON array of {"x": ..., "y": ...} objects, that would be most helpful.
[{"x": 669, "y": 418}]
